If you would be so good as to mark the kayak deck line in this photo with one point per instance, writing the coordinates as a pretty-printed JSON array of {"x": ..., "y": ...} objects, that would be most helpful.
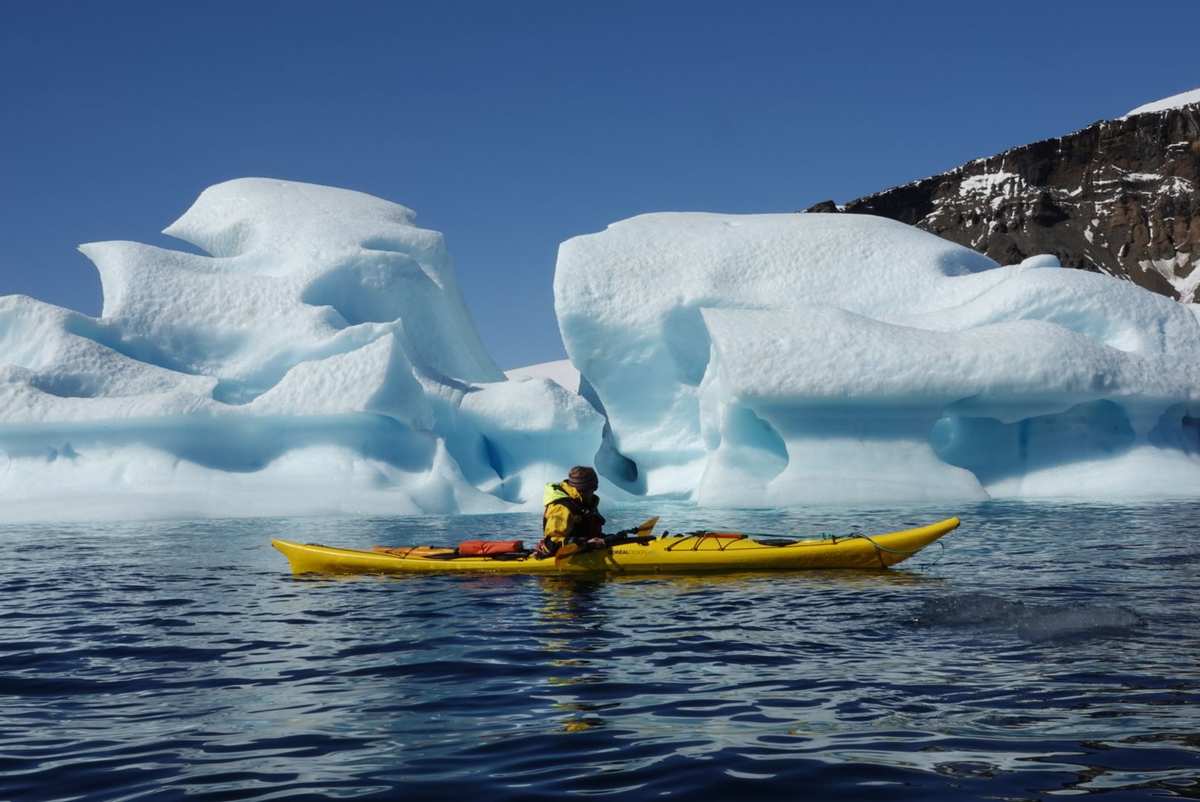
[{"x": 696, "y": 552}]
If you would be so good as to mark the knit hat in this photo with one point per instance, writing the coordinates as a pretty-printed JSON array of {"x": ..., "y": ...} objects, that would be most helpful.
[{"x": 583, "y": 479}]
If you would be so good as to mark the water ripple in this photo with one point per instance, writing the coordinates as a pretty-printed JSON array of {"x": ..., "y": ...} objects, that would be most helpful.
[{"x": 1051, "y": 650}]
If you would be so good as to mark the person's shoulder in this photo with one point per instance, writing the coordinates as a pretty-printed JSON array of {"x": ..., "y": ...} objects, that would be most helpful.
[{"x": 553, "y": 492}]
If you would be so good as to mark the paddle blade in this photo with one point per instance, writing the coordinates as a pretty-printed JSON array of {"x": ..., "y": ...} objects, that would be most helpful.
[
  {"x": 565, "y": 551},
  {"x": 646, "y": 527}
]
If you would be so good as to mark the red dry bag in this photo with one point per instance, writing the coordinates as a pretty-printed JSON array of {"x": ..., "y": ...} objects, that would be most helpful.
[{"x": 488, "y": 548}]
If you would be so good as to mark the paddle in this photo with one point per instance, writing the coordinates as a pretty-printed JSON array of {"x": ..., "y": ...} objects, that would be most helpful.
[{"x": 638, "y": 534}]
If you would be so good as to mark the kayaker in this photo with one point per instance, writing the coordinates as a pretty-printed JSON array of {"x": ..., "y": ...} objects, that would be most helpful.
[{"x": 571, "y": 512}]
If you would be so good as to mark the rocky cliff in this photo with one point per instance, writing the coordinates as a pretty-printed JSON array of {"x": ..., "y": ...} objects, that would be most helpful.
[{"x": 1120, "y": 197}]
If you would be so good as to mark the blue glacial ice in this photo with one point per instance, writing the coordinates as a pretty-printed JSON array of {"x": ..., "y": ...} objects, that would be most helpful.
[
  {"x": 790, "y": 359},
  {"x": 318, "y": 359}
]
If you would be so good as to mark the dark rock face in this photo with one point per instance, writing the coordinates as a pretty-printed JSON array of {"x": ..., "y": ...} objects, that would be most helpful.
[{"x": 1120, "y": 197}]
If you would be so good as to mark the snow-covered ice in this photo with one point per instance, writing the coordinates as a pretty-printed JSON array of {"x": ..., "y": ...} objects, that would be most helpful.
[
  {"x": 560, "y": 371},
  {"x": 1172, "y": 102},
  {"x": 320, "y": 358},
  {"x": 789, "y": 359}
]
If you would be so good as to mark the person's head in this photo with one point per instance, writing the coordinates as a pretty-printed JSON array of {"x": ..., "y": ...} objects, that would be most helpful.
[{"x": 583, "y": 479}]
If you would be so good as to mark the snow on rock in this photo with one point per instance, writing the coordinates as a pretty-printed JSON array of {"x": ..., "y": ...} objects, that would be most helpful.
[
  {"x": 1172, "y": 102},
  {"x": 791, "y": 359},
  {"x": 320, "y": 358}
]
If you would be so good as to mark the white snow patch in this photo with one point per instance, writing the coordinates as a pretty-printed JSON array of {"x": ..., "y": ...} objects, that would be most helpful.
[
  {"x": 1172, "y": 102},
  {"x": 1179, "y": 186},
  {"x": 1173, "y": 270},
  {"x": 1005, "y": 183},
  {"x": 1041, "y": 260},
  {"x": 560, "y": 371}
]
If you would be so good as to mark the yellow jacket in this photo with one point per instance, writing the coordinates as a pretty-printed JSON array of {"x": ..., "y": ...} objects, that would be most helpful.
[{"x": 565, "y": 510}]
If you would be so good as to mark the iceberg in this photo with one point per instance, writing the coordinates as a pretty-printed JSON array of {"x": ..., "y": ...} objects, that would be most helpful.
[
  {"x": 789, "y": 359},
  {"x": 317, "y": 358}
]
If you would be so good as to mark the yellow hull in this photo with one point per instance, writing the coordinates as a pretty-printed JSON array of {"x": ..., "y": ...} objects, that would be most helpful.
[{"x": 671, "y": 554}]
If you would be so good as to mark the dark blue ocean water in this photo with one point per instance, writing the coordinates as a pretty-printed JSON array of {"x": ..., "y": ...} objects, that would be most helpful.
[{"x": 1048, "y": 650}]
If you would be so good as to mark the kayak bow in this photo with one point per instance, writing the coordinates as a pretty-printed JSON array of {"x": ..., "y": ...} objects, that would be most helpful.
[{"x": 693, "y": 552}]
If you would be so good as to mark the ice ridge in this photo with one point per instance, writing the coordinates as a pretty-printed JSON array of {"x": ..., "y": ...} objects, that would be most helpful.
[
  {"x": 778, "y": 360},
  {"x": 319, "y": 358}
]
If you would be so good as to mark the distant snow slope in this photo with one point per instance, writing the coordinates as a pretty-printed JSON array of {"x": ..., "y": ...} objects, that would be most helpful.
[
  {"x": 319, "y": 359},
  {"x": 807, "y": 358},
  {"x": 1172, "y": 102},
  {"x": 561, "y": 371}
]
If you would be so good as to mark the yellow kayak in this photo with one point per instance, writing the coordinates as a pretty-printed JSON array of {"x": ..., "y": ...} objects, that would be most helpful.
[{"x": 687, "y": 553}]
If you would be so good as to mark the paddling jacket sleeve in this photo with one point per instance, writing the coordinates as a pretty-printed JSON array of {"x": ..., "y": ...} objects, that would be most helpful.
[{"x": 567, "y": 517}]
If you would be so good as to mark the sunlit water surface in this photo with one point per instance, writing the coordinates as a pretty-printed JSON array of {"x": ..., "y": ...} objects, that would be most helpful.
[{"x": 1047, "y": 650}]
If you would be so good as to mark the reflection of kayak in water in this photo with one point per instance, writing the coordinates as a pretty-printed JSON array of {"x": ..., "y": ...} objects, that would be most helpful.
[{"x": 691, "y": 552}]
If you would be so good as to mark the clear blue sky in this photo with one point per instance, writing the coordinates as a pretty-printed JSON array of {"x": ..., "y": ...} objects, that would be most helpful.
[{"x": 513, "y": 126}]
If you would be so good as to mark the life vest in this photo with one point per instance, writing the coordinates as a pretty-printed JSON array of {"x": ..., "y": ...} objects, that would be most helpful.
[{"x": 584, "y": 520}]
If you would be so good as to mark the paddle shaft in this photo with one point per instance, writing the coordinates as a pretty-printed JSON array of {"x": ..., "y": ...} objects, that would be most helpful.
[{"x": 616, "y": 539}]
